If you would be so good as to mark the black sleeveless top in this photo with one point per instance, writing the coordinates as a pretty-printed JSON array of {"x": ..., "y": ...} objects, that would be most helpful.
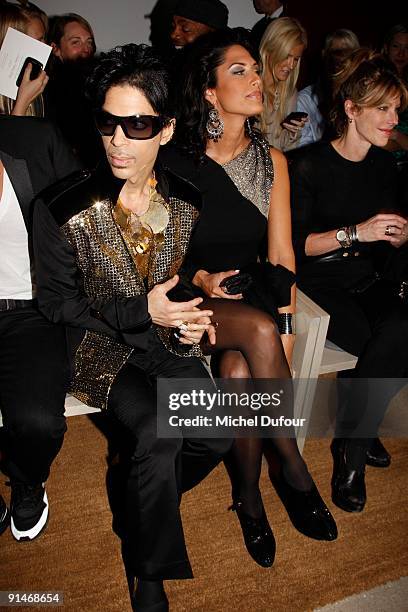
[{"x": 232, "y": 229}]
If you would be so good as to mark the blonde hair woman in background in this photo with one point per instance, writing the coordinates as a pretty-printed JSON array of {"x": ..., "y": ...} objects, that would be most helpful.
[
  {"x": 281, "y": 49},
  {"x": 31, "y": 21},
  {"x": 316, "y": 100}
]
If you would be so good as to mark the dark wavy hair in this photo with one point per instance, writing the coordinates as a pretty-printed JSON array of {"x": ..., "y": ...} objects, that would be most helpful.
[
  {"x": 203, "y": 58},
  {"x": 367, "y": 79},
  {"x": 138, "y": 66}
]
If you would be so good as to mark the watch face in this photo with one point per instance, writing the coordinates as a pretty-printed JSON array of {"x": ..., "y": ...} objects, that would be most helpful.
[{"x": 341, "y": 235}]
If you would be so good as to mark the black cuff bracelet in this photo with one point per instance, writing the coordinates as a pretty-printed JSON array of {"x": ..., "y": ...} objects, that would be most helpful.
[{"x": 286, "y": 323}]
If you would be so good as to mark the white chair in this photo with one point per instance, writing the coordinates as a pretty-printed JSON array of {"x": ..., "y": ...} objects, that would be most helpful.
[{"x": 313, "y": 355}]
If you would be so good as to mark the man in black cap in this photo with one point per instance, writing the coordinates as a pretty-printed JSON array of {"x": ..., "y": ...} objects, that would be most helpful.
[{"x": 192, "y": 19}]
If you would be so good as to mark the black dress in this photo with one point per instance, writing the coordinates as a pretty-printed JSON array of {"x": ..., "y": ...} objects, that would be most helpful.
[{"x": 231, "y": 233}]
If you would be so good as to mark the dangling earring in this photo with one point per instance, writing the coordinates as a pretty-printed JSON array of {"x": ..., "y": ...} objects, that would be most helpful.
[
  {"x": 248, "y": 127},
  {"x": 215, "y": 125}
]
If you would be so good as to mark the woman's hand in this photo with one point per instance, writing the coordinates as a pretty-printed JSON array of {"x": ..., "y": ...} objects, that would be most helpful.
[
  {"x": 29, "y": 90},
  {"x": 295, "y": 127},
  {"x": 210, "y": 284},
  {"x": 389, "y": 227}
]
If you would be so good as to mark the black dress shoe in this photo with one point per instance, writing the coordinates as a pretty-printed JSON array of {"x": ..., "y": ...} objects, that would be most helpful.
[
  {"x": 307, "y": 511},
  {"x": 348, "y": 485},
  {"x": 258, "y": 537},
  {"x": 4, "y": 516},
  {"x": 377, "y": 455}
]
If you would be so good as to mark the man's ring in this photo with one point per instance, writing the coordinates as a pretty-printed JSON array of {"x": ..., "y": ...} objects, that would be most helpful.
[{"x": 388, "y": 231}]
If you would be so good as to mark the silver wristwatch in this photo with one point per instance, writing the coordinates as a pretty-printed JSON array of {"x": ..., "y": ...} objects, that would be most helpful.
[{"x": 344, "y": 238}]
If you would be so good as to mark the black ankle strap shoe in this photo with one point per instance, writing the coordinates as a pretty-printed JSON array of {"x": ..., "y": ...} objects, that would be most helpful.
[
  {"x": 306, "y": 510},
  {"x": 258, "y": 536}
]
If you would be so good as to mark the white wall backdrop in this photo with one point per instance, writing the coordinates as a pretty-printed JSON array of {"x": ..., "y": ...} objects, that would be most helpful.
[{"x": 122, "y": 21}]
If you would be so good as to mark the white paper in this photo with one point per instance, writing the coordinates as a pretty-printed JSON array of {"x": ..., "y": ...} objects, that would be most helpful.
[{"x": 15, "y": 49}]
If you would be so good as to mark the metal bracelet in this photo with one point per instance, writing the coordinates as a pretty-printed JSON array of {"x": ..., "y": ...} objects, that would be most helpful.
[
  {"x": 352, "y": 231},
  {"x": 286, "y": 323}
]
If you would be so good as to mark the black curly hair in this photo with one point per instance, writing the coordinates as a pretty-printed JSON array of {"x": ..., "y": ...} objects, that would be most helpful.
[
  {"x": 199, "y": 73},
  {"x": 138, "y": 66}
]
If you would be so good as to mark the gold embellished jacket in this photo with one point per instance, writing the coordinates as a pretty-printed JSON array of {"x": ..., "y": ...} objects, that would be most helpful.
[{"x": 88, "y": 279}]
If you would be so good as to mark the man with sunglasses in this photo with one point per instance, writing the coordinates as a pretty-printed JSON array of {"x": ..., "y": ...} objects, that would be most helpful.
[{"x": 107, "y": 249}]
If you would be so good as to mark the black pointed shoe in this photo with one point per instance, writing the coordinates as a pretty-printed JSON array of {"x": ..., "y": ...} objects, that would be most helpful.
[
  {"x": 306, "y": 510},
  {"x": 377, "y": 455},
  {"x": 258, "y": 537},
  {"x": 348, "y": 485}
]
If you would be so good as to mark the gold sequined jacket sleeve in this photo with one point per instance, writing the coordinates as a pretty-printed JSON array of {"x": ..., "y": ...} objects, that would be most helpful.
[{"x": 61, "y": 295}]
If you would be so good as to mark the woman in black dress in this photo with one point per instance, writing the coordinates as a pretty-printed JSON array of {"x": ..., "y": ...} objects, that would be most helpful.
[
  {"x": 245, "y": 216},
  {"x": 345, "y": 227}
]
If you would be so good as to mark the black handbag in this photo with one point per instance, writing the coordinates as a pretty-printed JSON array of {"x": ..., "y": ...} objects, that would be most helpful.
[{"x": 232, "y": 285}]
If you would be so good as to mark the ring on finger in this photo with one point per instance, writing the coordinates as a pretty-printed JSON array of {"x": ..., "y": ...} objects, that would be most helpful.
[
  {"x": 388, "y": 231},
  {"x": 183, "y": 326}
]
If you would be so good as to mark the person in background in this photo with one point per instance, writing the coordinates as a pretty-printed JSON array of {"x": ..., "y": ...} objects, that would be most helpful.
[
  {"x": 34, "y": 371},
  {"x": 37, "y": 20},
  {"x": 396, "y": 50},
  {"x": 72, "y": 40},
  {"x": 270, "y": 9},
  {"x": 316, "y": 99},
  {"x": 161, "y": 25},
  {"x": 281, "y": 50},
  {"x": 193, "y": 19},
  {"x": 31, "y": 21},
  {"x": 344, "y": 199}
]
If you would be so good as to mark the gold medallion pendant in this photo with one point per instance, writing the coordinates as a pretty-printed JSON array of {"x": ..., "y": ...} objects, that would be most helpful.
[{"x": 144, "y": 234}]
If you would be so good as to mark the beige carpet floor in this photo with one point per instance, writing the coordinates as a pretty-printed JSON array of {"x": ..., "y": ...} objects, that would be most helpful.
[{"x": 80, "y": 556}]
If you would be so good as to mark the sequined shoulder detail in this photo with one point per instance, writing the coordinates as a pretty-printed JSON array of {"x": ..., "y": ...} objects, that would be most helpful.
[{"x": 252, "y": 173}]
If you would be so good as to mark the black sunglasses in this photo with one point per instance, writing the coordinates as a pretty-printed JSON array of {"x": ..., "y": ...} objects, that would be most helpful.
[{"x": 136, "y": 127}]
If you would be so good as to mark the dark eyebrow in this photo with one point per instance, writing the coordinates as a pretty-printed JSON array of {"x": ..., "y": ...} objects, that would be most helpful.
[{"x": 242, "y": 64}]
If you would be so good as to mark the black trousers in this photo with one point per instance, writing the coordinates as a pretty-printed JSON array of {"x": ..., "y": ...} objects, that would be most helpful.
[
  {"x": 160, "y": 469},
  {"x": 374, "y": 326},
  {"x": 33, "y": 383}
]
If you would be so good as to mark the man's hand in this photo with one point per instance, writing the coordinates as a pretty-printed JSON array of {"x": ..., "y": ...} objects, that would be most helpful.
[
  {"x": 195, "y": 331},
  {"x": 173, "y": 314}
]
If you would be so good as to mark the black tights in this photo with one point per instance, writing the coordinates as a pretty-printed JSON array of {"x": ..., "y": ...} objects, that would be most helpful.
[{"x": 251, "y": 348}]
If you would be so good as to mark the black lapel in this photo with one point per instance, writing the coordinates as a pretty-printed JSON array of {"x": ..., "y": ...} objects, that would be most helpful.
[{"x": 17, "y": 171}]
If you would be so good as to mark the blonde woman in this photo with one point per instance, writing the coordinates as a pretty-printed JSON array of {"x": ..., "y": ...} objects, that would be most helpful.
[
  {"x": 281, "y": 50},
  {"x": 30, "y": 21},
  {"x": 316, "y": 99}
]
